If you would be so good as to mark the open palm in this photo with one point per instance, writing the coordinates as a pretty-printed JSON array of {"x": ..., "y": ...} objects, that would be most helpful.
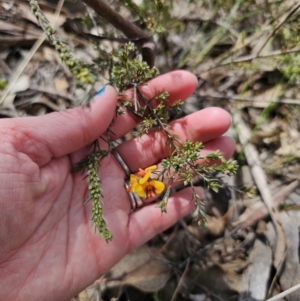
[{"x": 48, "y": 247}]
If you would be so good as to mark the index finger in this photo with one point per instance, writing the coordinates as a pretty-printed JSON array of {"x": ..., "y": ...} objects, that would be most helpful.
[{"x": 179, "y": 84}]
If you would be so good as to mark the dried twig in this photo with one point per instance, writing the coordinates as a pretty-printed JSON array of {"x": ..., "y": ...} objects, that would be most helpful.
[
  {"x": 54, "y": 93},
  {"x": 251, "y": 101},
  {"x": 143, "y": 41},
  {"x": 251, "y": 57},
  {"x": 284, "y": 19},
  {"x": 218, "y": 61},
  {"x": 207, "y": 247},
  {"x": 174, "y": 296},
  {"x": 285, "y": 293},
  {"x": 262, "y": 185}
]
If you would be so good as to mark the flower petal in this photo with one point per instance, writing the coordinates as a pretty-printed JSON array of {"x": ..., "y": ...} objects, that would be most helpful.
[
  {"x": 152, "y": 167},
  {"x": 139, "y": 190},
  {"x": 133, "y": 179},
  {"x": 146, "y": 174},
  {"x": 145, "y": 178},
  {"x": 133, "y": 183},
  {"x": 141, "y": 173},
  {"x": 158, "y": 186}
]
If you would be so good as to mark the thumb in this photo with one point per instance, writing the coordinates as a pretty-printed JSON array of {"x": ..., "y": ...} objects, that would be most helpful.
[{"x": 61, "y": 133}]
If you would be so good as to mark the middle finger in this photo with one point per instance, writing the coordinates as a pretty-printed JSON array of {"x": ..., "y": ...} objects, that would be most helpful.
[{"x": 205, "y": 125}]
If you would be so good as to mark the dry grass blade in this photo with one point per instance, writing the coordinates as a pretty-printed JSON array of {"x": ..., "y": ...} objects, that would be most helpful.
[
  {"x": 280, "y": 23},
  {"x": 22, "y": 67},
  {"x": 181, "y": 280},
  {"x": 29, "y": 56},
  {"x": 285, "y": 293}
]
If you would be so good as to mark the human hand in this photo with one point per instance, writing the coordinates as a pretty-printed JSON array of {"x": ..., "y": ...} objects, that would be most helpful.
[{"x": 48, "y": 248}]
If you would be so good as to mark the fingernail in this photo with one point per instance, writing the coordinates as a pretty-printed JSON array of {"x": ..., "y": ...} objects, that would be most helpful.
[{"x": 100, "y": 92}]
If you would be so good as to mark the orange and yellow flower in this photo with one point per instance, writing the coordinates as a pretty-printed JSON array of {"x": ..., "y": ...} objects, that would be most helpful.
[{"x": 143, "y": 185}]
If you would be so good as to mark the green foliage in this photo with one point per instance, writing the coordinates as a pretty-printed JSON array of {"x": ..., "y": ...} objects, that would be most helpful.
[
  {"x": 290, "y": 66},
  {"x": 127, "y": 70},
  {"x": 3, "y": 83},
  {"x": 81, "y": 71},
  {"x": 91, "y": 165},
  {"x": 162, "y": 205},
  {"x": 153, "y": 14},
  {"x": 186, "y": 162},
  {"x": 248, "y": 192},
  {"x": 156, "y": 296},
  {"x": 200, "y": 215}
]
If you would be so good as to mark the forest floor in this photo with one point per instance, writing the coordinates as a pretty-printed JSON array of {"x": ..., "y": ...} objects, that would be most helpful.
[{"x": 246, "y": 55}]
